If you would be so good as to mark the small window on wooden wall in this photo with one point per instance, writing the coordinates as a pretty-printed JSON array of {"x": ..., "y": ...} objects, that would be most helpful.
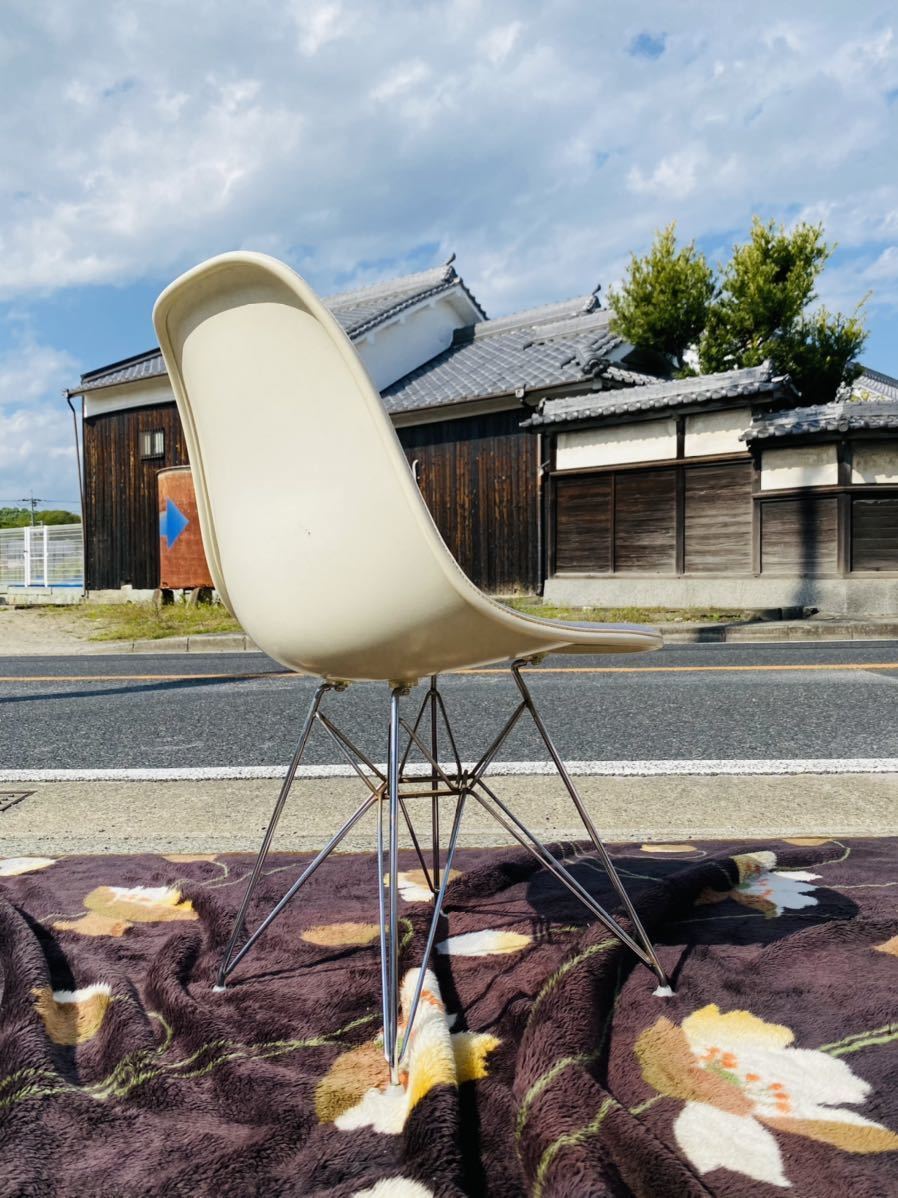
[{"x": 152, "y": 444}]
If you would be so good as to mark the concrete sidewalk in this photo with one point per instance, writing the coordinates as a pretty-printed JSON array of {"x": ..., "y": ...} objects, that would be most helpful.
[
  {"x": 26, "y": 633},
  {"x": 231, "y": 816},
  {"x": 674, "y": 634}
]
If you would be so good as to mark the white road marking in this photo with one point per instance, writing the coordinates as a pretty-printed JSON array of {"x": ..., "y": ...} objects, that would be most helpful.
[{"x": 603, "y": 769}]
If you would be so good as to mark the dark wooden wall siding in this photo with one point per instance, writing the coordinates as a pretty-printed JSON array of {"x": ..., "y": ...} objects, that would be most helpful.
[
  {"x": 121, "y": 517},
  {"x": 798, "y": 536},
  {"x": 718, "y": 519},
  {"x": 874, "y": 525},
  {"x": 636, "y": 511},
  {"x": 583, "y": 523},
  {"x": 478, "y": 476},
  {"x": 645, "y": 522}
]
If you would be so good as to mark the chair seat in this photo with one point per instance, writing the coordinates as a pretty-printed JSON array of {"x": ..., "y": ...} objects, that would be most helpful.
[{"x": 589, "y": 637}]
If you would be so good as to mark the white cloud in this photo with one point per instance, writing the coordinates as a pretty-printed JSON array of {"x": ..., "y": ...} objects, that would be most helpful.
[
  {"x": 30, "y": 371},
  {"x": 499, "y": 42},
  {"x": 319, "y": 25},
  {"x": 400, "y": 80},
  {"x": 676, "y": 176},
  {"x": 885, "y": 266},
  {"x": 37, "y": 454}
]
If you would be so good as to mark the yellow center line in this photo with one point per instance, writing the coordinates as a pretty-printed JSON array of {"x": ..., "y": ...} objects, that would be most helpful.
[{"x": 853, "y": 665}]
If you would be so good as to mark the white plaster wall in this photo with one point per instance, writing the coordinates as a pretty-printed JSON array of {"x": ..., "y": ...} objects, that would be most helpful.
[
  {"x": 132, "y": 395},
  {"x": 874, "y": 464},
  {"x": 716, "y": 432},
  {"x": 414, "y": 338},
  {"x": 648, "y": 441},
  {"x": 806, "y": 466}
]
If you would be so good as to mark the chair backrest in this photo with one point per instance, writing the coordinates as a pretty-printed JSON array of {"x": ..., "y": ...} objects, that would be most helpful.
[{"x": 314, "y": 530}]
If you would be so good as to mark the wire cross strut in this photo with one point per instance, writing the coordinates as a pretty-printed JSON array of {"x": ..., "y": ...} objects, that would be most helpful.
[{"x": 390, "y": 791}]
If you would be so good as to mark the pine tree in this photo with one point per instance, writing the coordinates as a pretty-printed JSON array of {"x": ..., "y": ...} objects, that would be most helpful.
[{"x": 663, "y": 302}]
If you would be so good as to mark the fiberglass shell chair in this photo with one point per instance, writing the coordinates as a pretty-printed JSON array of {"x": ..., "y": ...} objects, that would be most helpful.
[{"x": 350, "y": 580}]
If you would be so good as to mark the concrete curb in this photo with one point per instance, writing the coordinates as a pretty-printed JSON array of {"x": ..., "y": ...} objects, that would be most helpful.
[
  {"x": 210, "y": 642},
  {"x": 674, "y": 634},
  {"x": 781, "y": 630}
]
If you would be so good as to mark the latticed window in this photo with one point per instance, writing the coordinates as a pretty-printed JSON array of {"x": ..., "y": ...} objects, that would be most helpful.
[{"x": 152, "y": 443}]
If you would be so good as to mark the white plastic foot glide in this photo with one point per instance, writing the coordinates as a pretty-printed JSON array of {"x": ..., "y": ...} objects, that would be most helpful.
[
  {"x": 219, "y": 989},
  {"x": 663, "y": 992}
]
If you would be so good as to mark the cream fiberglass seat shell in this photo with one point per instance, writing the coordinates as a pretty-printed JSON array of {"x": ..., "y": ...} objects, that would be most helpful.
[
  {"x": 315, "y": 532},
  {"x": 320, "y": 544}
]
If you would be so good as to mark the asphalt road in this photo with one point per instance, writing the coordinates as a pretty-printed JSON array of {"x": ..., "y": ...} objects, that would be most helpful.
[{"x": 815, "y": 700}]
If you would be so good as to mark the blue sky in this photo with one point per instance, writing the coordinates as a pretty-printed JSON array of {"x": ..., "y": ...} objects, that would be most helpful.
[{"x": 541, "y": 141}]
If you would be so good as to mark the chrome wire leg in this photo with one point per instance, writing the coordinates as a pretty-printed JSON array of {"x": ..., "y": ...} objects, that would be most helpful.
[
  {"x": 390, "y": 971},
  {"x": 613, "y": 875},
  {"x": 226, "y": 964},
  {"x": 434, "y": 926},
  {"x": 434, "y": 778}
]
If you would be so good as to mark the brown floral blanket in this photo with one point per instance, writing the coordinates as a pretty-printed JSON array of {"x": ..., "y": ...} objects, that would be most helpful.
[{"x": 541, "y": 1061}]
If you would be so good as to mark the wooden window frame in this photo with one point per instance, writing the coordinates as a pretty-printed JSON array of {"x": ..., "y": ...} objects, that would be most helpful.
[{"x": 149, "y": 437}]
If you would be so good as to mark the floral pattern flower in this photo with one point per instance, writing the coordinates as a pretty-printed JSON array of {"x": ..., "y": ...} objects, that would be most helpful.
[
  {"x": 487, "y": 943},
  {"x": 395, "y": 1187},
  {"x": 356, "y": 1090},
  {"x": 341, "y": 935},
  {"x": 11, "y": 867},
  {"x": 73, "y": 1016},
  {"x": 656, "y": 847},
  {"x": 764, "y": 888},
  {"x": 740, "y": 1077},
  {"x": 412, "y": 884},
  {"x": 111, "y": 910}
]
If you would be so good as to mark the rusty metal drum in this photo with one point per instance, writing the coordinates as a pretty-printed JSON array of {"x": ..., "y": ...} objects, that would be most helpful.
[{"x": 182, "y": 562}]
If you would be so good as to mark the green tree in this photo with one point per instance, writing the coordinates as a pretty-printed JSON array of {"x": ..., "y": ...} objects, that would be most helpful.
[
  {"x": 18, "y": 517},
  {"x": 760, "y": 312},
  {"x": 663, "y": 302},
  {"x": 820, "y": 351}
]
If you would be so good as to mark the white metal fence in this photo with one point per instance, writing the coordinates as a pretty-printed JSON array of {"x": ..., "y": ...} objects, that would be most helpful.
[{"x": 48, "y": 555}]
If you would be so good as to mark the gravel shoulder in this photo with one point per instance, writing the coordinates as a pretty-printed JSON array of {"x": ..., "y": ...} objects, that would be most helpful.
[{"x": 31, "y": 630}]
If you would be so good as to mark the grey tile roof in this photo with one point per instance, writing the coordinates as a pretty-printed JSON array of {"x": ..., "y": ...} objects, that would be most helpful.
[
  {"x": 367, "y": 307},
  {"x": 875, "y": 384},
  {"x": 148, "y": 365},
  {"x": 731, "y": 384},
  {"x": 357, "y": 311},
  {"x": 841, "y": 416},
  {"x": 552, "y": 346}
]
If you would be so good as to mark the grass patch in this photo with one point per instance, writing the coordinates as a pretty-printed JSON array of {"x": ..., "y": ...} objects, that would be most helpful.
[
  {"x": 530, "y": 605},
  {"x": 143, "y": 621}
]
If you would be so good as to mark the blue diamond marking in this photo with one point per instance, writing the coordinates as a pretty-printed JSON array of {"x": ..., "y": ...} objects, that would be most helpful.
[{"x": 172, "y": 523}]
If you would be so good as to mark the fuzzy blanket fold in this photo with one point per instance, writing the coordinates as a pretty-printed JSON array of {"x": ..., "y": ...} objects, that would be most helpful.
[{"x": 541, "y": 1062}]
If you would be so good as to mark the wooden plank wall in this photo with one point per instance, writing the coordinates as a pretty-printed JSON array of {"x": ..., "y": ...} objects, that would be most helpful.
[
  {"x": 798, "y": 536},
  {"x": 637, "y": 513},
  {"x": 478, "y": 476},
  {"x": 583, "y": 523},
  {"x": 718, "y": 521},
  {"x": 121, "y": 517},
  {"x": 645, "y": 522},
  {"x": 874, "y": 541}
]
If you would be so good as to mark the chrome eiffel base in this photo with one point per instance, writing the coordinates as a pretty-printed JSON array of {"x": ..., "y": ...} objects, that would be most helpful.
[{"x": 390, "y": 793}]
